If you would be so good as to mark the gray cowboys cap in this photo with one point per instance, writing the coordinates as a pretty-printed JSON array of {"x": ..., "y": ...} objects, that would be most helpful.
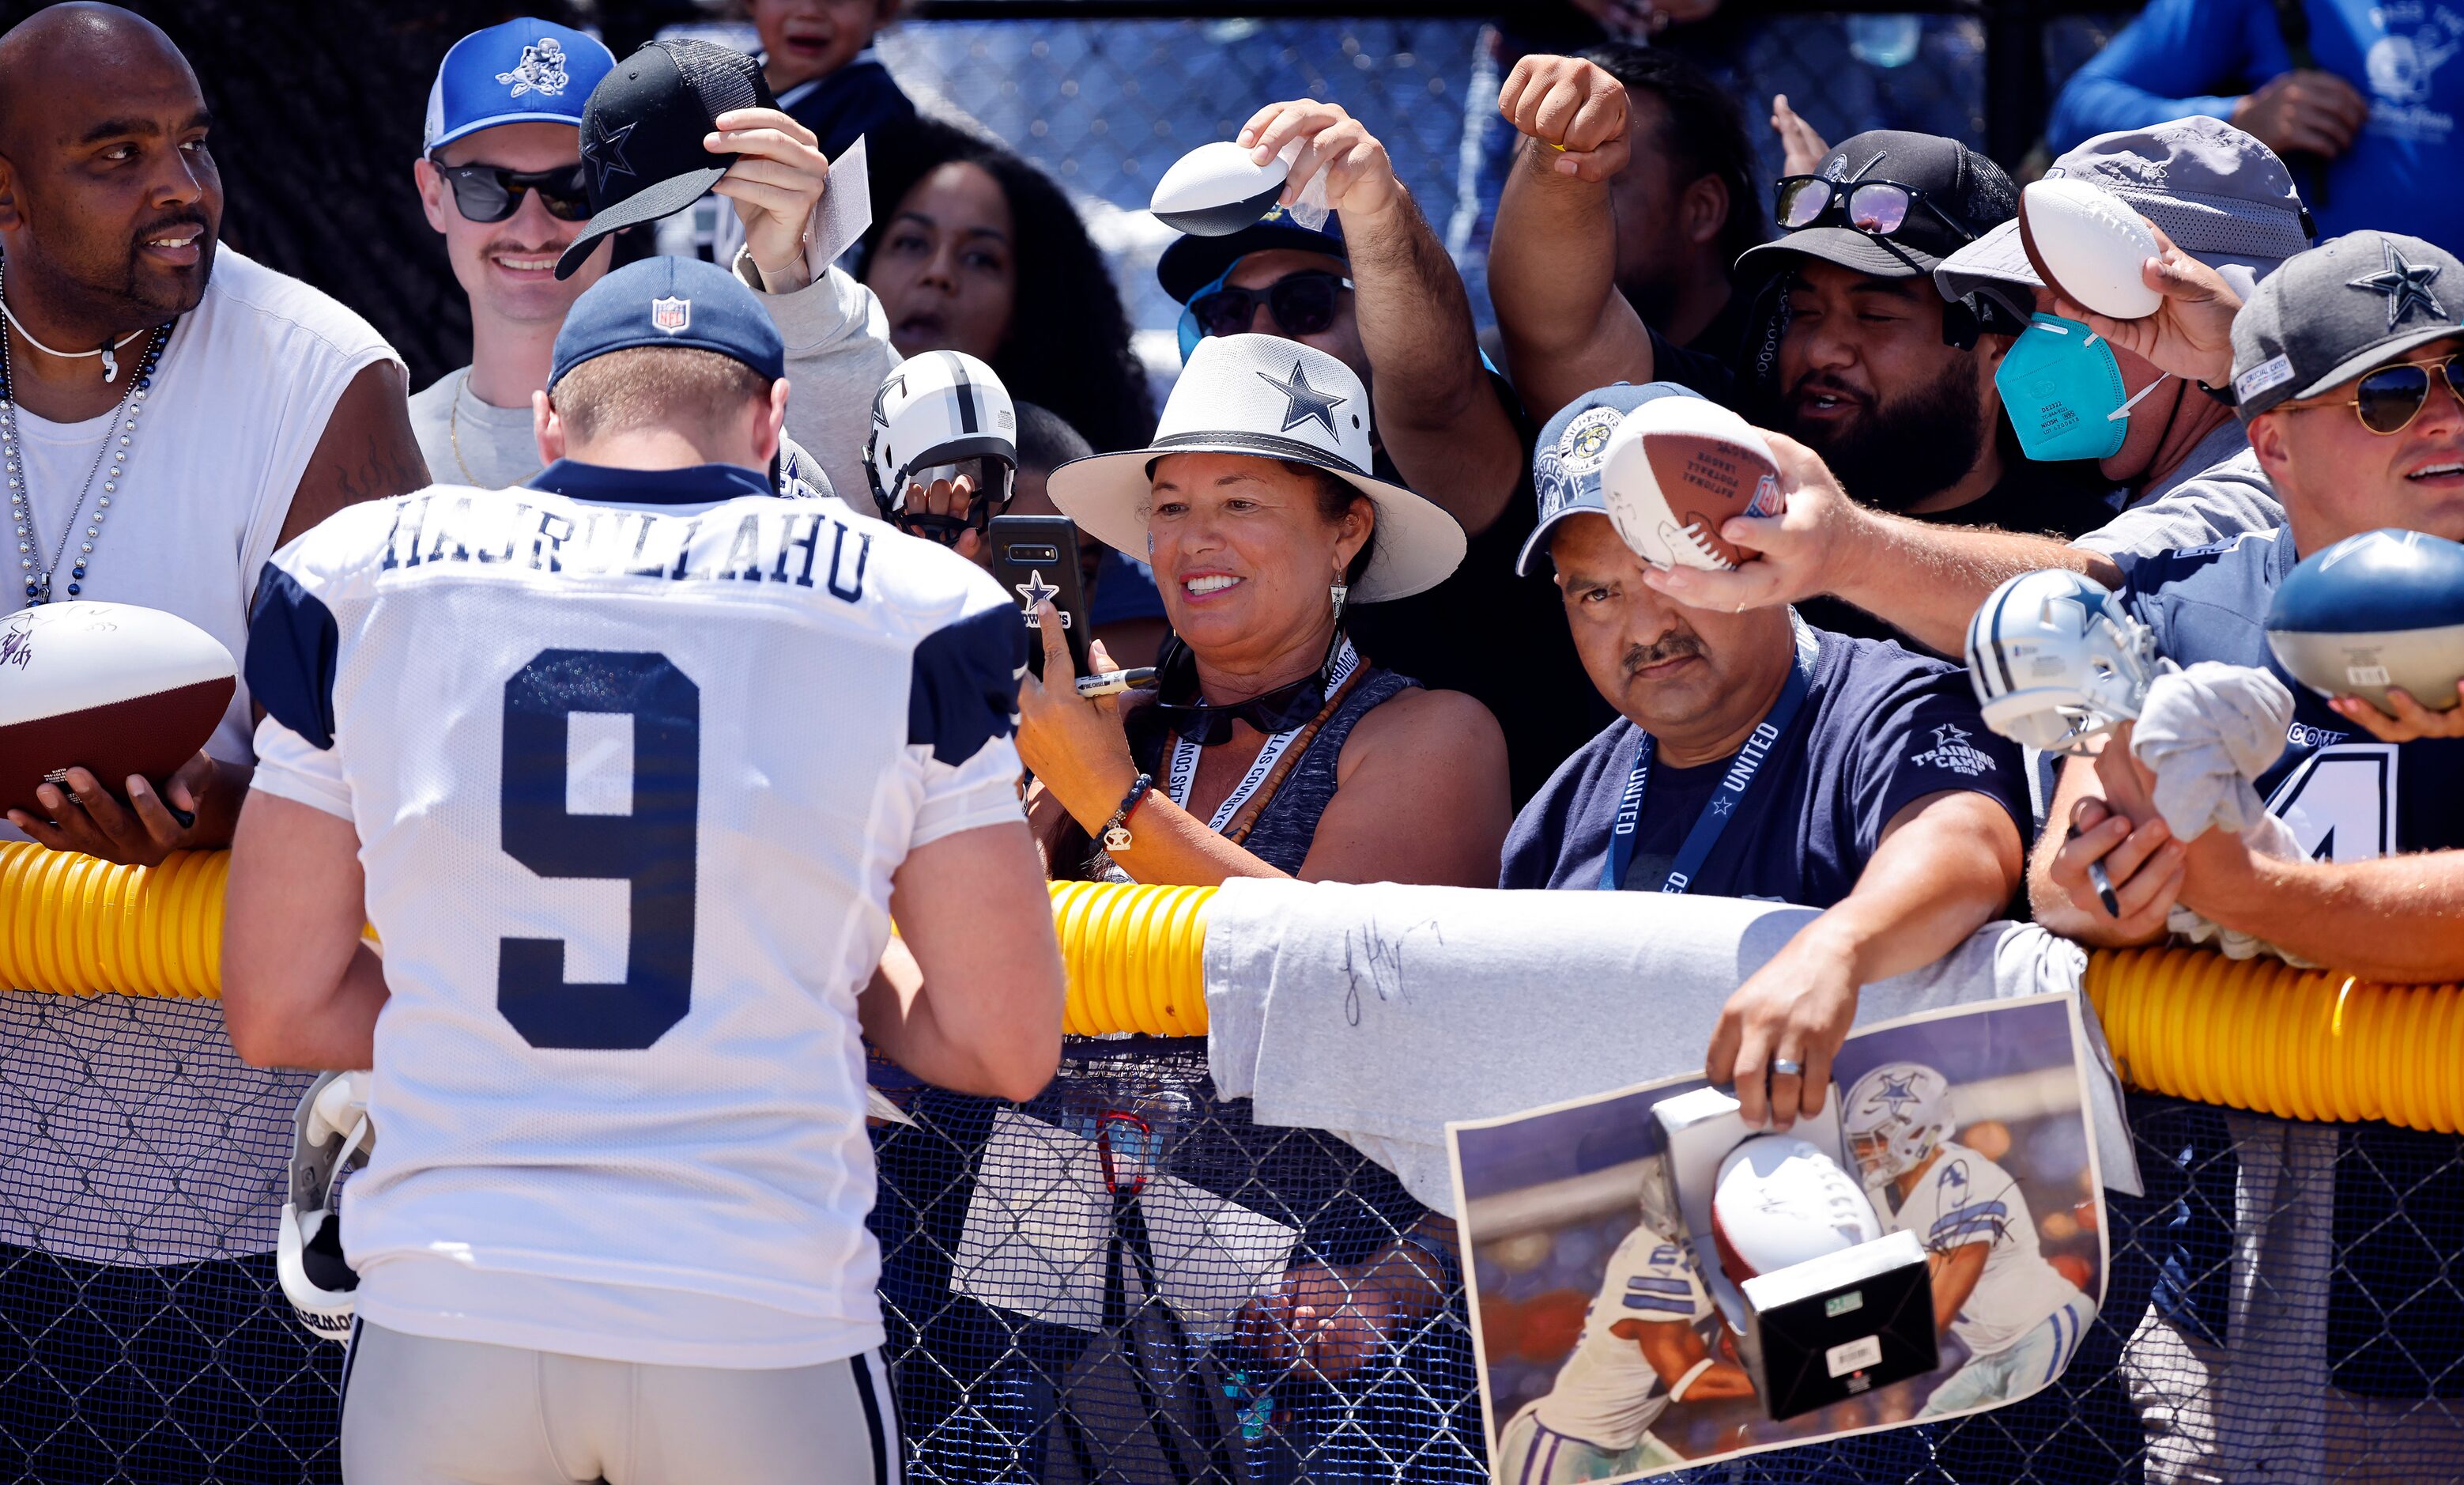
[
  {"x": 1566, "y": 463},
  {"x": 2346, "y": 305},
  {"x": 2221, "y": 195}
]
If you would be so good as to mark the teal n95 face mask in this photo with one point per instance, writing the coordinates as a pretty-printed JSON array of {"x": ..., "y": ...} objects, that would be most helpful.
[{"x": 2063, "y": 391}]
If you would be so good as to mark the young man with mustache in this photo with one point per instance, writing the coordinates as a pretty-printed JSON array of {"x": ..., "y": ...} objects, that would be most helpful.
[
  {"x": 172, "y": 412},
  {"x": 502, "y": 179},
  {"x": 1756, "y": 756}
]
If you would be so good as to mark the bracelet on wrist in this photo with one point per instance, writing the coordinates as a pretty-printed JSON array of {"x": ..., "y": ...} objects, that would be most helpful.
[{"x": 1115, "y": 833}]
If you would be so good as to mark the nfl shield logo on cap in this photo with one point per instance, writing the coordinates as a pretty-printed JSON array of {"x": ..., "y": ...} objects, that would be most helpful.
[{"x": 671, "y": 314}]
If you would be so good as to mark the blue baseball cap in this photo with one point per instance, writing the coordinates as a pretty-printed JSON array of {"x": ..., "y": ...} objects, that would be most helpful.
[
  {"x": 523, "y": 71},
  {"x": 669, "y": 301},
  {"x": 1193, "y": 263},
  {"x": 1565, "y": 461}
]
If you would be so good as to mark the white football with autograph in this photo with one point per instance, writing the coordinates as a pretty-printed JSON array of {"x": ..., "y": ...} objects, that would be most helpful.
[
  {"x": 1779, "y": 1201},
  {"x": 1675, "y": 470},
  {"x": 2087, "y": 245},
  {"x": 111, "y": 687},
  {"x": 1215, "y": 189}
]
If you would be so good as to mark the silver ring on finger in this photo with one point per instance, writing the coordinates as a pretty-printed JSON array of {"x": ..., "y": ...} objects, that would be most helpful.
[{"x": 1782, "y": 1067}]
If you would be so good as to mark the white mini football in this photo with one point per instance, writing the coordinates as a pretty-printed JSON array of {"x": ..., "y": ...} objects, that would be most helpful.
[
  {"x": 1676, "y": 469},
  {"x": 1780, "y": 1201},
  {"x": 2087, "y": 245},
  {"x": 111, "y": 687},
  {"x": 1215, "y": 189}
]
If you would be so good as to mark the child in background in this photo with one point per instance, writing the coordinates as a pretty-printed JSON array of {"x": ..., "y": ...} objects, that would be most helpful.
[{"x": 818, "y": 58}]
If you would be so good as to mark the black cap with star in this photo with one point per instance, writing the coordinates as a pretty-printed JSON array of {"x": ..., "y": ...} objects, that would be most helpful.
[
  {"x": 2347, "y": 305},
  {"x": 642, "y": 133}
]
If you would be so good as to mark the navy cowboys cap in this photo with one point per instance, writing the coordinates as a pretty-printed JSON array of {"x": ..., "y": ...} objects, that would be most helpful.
[
  {"x": 642, "y": 133},
  {"x": 1565, "y": 461},
  {"x": 669, "y": 301},
  {"x": 2346, "y": 307}
]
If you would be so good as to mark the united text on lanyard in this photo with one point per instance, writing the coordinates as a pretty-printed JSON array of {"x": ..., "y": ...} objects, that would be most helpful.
[{"x": 1726, "y": 800}]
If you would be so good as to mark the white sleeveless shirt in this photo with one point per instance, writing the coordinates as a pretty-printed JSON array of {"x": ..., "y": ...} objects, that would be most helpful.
[{"x": 129, "y": 1132}]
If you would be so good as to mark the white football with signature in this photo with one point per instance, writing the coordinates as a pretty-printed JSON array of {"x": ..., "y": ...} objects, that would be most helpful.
[
  {"x": 1215, "y": 189},
  {"x": 106, "y": 686},
  {"x": 2087, "y": 244},
  {"x": 1781, "y": 1200}
]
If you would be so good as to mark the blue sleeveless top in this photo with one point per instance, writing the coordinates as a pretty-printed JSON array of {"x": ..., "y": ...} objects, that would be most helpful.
[{"x": 1281, "y": 838}]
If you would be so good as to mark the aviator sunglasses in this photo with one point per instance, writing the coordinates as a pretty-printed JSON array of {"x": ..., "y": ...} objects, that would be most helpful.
[
  {"x": 1877, "y": 208},
  {"x": 1302, "y": 303},
  {"x": 2389, "y": 398},
  {"x": 491, "y": 193}
]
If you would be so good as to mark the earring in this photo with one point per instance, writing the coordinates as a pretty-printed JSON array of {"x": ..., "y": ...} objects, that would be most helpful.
[{"x": 1340, "y": 591}]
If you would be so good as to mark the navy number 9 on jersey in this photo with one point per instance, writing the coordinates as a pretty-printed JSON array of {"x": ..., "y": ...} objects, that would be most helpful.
[{"x": 651, "y": 848}]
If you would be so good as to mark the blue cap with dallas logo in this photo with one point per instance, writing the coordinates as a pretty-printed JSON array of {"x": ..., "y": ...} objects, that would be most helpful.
[
  {"x": 669, "y": 301},
  {"x": 523, "y": 71},
  {"x": 1565, "y": 461}
]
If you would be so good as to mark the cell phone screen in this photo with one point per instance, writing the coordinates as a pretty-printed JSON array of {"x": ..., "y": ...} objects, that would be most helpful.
[{"x": 1036, "y": 558}]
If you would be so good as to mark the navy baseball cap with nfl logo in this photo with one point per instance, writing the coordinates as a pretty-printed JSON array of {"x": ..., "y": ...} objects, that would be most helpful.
[
  {"x": 669, "y": 301},
  {"x": 1565, "y": 461}
]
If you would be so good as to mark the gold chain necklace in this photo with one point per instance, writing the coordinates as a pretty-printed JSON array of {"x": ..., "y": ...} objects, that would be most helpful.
[{"x": 453, "y": 427}]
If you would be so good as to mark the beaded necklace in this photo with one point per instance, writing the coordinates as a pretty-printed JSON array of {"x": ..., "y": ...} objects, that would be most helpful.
[{"x": 116, "y": 442}]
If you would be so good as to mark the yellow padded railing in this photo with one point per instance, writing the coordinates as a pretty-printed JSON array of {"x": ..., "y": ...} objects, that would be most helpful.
[{"x": 2252, "y": 1035}]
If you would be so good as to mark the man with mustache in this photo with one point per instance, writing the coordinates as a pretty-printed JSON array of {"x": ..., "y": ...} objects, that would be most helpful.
[
  {"x": 1850, "y": 349},
  {"x": 502, "y": 179},
  {"x": 172, "y": 412},
  {"x": 1756, "y": 756}
]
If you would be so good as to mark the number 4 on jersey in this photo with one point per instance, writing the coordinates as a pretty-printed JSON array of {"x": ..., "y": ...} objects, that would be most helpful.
[{"x": 651, "y": 849}]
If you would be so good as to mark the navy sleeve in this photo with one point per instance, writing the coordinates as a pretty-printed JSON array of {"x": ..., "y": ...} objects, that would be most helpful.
[
  {"x": 963, "y": 692},
  {"x": 1923, "y": 737},
  {"x": 2178, "y": 58},
  {"x": 291, "y": 645}
]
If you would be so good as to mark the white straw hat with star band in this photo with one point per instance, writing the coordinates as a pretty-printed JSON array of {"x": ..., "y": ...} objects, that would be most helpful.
[{"x": 1270, "y": 398}]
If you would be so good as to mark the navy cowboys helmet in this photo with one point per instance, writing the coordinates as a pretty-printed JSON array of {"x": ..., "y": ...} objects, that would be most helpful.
[
  {"x": 942, "y": 415},
  {"x": 331, "y": 1137},
  {"x": 1894, "y": 1116},
  {"x": 2055, "y": 660}
]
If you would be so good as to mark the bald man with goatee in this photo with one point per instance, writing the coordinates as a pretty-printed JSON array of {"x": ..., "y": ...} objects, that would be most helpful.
[{"x": 172, "y": 412}]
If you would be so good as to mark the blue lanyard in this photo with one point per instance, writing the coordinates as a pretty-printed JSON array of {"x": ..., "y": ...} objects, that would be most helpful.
[{"x": 1725, "y": 801}]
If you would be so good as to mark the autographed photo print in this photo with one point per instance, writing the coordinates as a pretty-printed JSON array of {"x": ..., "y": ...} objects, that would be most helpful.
[{"x": 1615, "y": 1340}]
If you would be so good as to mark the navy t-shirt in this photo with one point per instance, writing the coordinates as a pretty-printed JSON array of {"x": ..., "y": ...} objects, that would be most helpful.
[
  {"x": 2395, "y": 1320},
  {"x": 1879, "y": 727},
  {"x": 2348, "y": 796}
]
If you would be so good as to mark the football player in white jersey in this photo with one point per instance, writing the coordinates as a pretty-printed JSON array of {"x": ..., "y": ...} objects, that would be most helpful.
[
  {"x": 1641, "y": 1349},
  {"x": 627, "y": 769},
  {"x": 2019, "y": 1319}
]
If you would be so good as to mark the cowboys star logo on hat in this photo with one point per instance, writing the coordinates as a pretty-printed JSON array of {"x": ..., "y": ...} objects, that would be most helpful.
[
  {"x": 671, "y": 314},
  {"x": 541, "y": 69},
  {"x": 2405, "y": 286},
  {"x": 1305, "y": 402},
  {"x": 605, "y": 149}
]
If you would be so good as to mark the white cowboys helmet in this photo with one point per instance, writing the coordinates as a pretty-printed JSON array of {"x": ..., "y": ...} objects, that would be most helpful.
[
  {"x": 330, "y": 1139},
  {"x": 939, "y": 417},
  {"x": 1895, "y": 1116},
  {"x": 2055, "y": 660}
]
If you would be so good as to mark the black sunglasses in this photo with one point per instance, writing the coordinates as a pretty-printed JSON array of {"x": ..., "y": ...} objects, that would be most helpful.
[
  {"x": 1208, "y": 726},
  {"x": 491, "y": 193},
  {"x": 1876, "y": 207},
  {"x": 1302, "y": 303},
  {"x": 2389, "y": 398}
]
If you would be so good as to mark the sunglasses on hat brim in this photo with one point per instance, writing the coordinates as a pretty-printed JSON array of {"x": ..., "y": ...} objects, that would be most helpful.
[
  {"x": 492, "y": 194},
  {"x": 2388, "y": 399},
  {"x": 1877, "y": 208}
]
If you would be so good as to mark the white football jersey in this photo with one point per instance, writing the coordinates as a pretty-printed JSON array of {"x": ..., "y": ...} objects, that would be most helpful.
[
  {"x": 632, "y": 757},
  {"x": 1606, "y": 1394},
  {"x": 1964, "y": 1198}
]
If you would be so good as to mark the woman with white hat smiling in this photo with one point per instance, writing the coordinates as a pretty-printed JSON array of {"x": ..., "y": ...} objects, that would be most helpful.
[{"x": 1273, "y": 748}]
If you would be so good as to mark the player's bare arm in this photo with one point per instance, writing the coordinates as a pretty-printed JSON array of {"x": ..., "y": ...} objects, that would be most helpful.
[
  {"x": 1926, "y": 580},
  {"x": 299, "y": 988},
  {"x": 969, "y": 996},
  {"x": 1954, "y": 1278},
  {"x": 1945, "y": 867},
  {"x": 1553, "y": 257},
  {"x": 1435, "y": 409},
  {"x": 1675, "y": 1349}
]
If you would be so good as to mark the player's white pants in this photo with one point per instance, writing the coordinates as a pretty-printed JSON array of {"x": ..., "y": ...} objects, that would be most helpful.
[
  {"x": 1530, "y": 1453},
  {"x": 2018, "y": 1368},
  {"x": 422, "y": 1412}
]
